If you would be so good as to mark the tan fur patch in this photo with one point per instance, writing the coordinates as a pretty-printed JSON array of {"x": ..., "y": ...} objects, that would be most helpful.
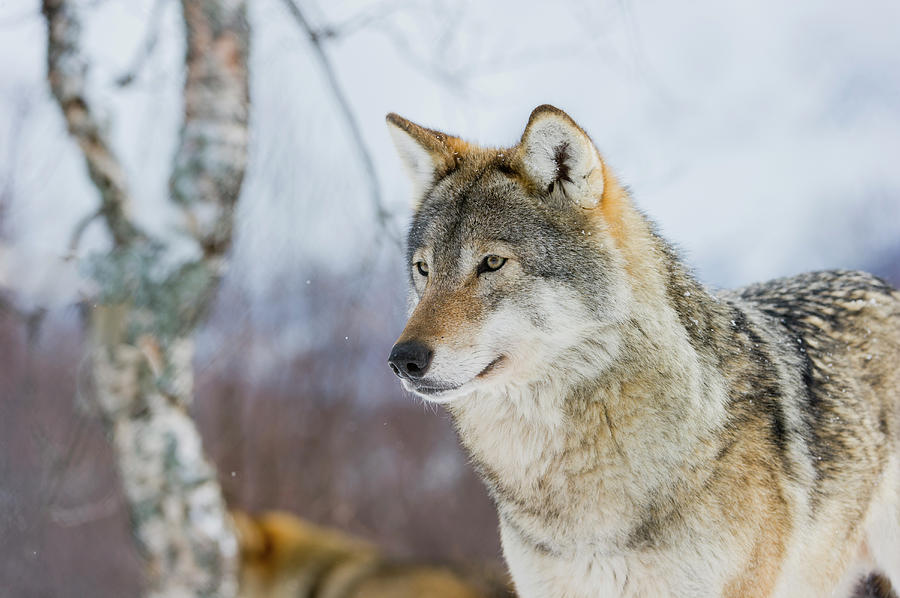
[
  {"x": 457, "y": 146},
  {"x": 612, "y": 206},
  {"x": 764, "y": 509},
  {"x": 441, "y": 316}
]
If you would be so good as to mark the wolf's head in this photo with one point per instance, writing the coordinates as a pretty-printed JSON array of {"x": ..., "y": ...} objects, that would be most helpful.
[{"x": 515, "y": 258}]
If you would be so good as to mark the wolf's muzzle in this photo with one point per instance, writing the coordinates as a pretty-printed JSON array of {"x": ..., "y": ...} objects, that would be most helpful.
[{"x": 410, "y": 359}]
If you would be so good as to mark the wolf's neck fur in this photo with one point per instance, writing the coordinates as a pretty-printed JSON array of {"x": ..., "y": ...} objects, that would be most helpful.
[{"x": 539, "y": 445}]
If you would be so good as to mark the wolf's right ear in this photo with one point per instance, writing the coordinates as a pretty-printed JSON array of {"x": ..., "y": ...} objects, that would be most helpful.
[
  {"x": 426, "y": 153},
  {"x": 560, "y": 158}
]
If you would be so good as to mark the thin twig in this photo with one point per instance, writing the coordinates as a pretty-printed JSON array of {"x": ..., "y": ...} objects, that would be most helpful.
[
  {"x": 82, "y": 225},
  {"x": 381, "y": 213},
  {"x": 145, "y": 50},
  {"x": 66, "y": 71},
  {"x": 451, "y": 79},
  {"x": 361, "y": 20}
]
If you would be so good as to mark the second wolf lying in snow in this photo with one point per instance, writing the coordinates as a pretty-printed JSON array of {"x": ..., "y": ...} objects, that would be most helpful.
[{"x": 640, "y": 434}]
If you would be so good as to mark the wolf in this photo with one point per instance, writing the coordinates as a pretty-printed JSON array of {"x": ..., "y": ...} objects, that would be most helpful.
[
  {"x": 643, "y": 435},
  {"x": 283, "y": 556}
]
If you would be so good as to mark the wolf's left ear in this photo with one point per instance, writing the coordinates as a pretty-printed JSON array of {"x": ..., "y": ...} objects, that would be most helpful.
[
  {"x": 560, "y": 158},
  {"x": 425, "y": 153}
]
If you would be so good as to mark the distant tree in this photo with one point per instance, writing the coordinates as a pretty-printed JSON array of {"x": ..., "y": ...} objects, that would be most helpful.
[{"x": 150, "y": 297}]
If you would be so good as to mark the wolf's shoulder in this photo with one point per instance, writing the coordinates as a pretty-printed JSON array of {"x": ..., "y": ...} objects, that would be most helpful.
[
  {"x": 840, "y": 289},
  {"x": 828, "y": 298}
]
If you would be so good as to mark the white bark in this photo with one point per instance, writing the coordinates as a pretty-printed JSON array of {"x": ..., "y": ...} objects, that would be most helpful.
[
  {"x": 177, "y": 512},
  {"x": 143, "y": 319},
  {"x": 211, "y": 158}
]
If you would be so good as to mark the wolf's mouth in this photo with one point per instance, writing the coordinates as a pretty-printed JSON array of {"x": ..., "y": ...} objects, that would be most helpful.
[
  {"x": 426, "y": 389},
  {"x": 490, "y": 366},
  {"x": 423, "y": 388}
]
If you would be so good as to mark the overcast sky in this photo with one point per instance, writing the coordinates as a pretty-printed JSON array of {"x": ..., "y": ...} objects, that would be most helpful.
[{"x": 763, "y": 136}]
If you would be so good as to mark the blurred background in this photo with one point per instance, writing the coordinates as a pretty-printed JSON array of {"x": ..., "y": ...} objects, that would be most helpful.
[{"x": 762, "y": 136}]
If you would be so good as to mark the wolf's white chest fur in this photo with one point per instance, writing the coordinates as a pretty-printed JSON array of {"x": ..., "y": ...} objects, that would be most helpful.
[
  {"x": 569, "y": 493},
  {"x": 580, "y": 574}
]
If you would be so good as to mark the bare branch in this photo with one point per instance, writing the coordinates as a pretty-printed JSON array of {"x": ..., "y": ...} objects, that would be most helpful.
[
  {"x": 453, "y": 79},
  {"x": 361, "y": 20},
  {"x": 145, "y": 50},
  {"x": 66, "y": 71},
  {"x": 381, "y": 213},
  {"x": 82, "y": 226}
]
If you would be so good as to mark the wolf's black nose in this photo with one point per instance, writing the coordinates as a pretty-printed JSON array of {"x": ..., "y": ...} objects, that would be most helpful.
[{"x": 410, "y": 359}]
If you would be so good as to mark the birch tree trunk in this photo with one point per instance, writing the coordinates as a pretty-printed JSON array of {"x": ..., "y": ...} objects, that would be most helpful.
[{"x": 149, "y": 303}]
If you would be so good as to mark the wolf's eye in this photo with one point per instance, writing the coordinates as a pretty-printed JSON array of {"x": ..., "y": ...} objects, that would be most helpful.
[
  {"x": 491, "y": 263},
  {"x": 422, "y": 267}
]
